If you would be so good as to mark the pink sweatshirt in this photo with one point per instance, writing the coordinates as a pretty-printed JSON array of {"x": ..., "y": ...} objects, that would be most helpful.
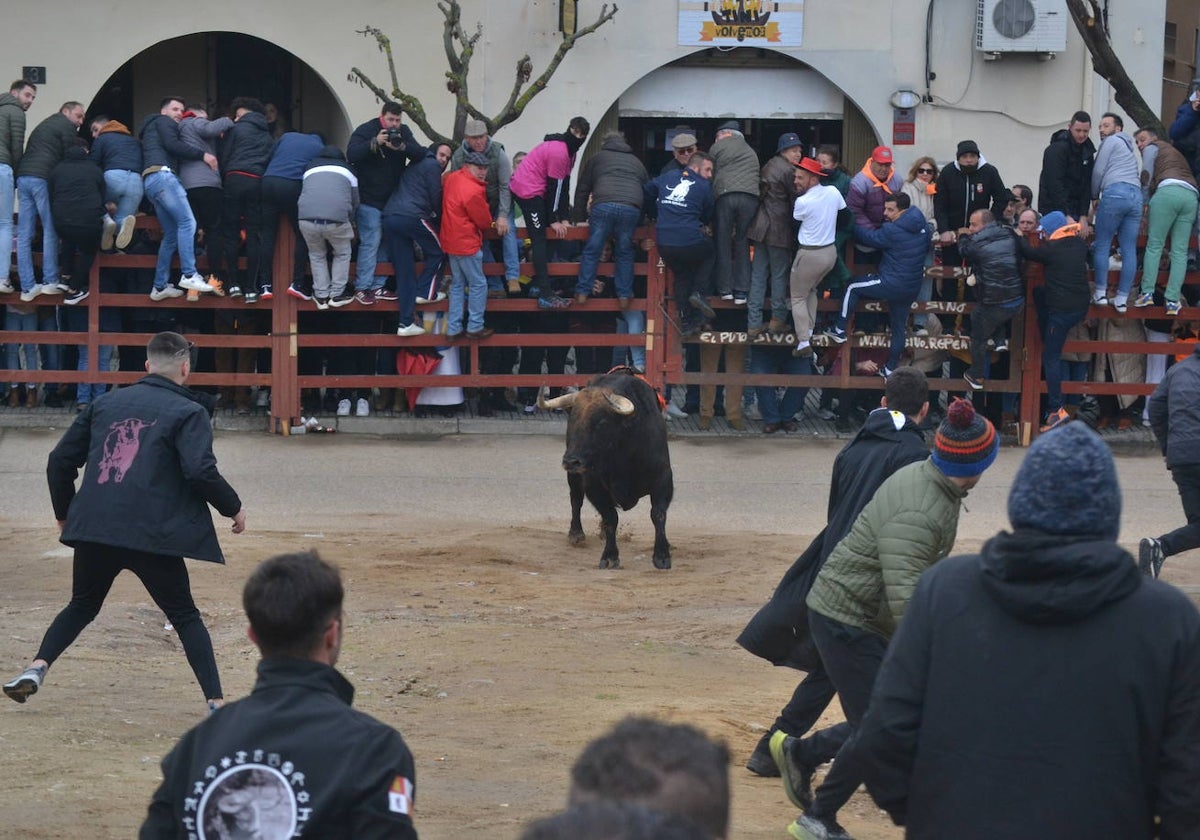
[{"x": 548, "y": 160}]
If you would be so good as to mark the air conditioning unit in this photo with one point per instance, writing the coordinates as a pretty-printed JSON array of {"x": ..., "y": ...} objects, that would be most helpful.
[{"x": 1022, "y": 26}]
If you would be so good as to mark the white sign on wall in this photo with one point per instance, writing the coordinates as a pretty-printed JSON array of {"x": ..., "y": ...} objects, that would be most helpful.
[{"x": 741, "y": 23}]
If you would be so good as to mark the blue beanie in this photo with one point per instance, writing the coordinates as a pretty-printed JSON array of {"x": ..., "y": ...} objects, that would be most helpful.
[
  {"x": 1067, "y": 485},
  {"x": 1053, "y": 221}
]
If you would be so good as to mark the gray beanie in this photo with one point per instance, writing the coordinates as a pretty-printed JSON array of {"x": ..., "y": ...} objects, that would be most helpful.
[{"x": 1067, "y": 485}]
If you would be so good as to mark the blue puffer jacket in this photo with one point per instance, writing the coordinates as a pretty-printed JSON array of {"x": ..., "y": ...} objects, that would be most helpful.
[{"x": 904, "y": 243}]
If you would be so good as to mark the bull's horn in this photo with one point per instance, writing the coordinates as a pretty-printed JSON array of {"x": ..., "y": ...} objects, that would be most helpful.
[
  {"x": 619, "y": 404},
  {"x": 564, "y": 402}
]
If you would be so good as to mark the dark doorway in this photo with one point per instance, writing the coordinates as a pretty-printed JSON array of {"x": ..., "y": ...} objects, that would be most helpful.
[{"x": 648, "y": 135}]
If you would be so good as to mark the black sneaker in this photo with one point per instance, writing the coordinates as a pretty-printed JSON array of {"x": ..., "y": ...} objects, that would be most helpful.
[
  {"x": 234, "y": 291},
  {"x": 344, "y": 299},
  {"x": 761, "y": 763},
  {"x": 797, "y": 776},
  {"x": 322, "y": 303},
  {"x": 1150, "y": 557},
  {"x": 74, "y": 296},
  {"x": 251, "y": 296},
  {"x": 976, "y": 383},
  {"x": 266, "y": 294},
  {"x": 701, "y": 305},
  {"x": 294, "y": 290},
  {"x": 816, "y": 828}
]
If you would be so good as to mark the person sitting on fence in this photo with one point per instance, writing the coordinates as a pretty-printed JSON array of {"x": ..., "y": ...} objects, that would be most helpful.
[
  {"x": 991, "y": 248},
  {"x": 410, "y": 219},
  {"x": 541, "y": 184},
  {"x": 1061, "y": 302},
  {"x": 327, "y": 207},
  {"x": 904, "y": 240}
]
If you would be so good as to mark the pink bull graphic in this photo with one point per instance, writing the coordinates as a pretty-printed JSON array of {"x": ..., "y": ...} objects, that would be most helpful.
[{"x": 120, "y": 449}]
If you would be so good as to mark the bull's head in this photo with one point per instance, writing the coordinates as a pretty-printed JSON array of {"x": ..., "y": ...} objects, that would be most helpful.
[{"x": 615, "y": 402}]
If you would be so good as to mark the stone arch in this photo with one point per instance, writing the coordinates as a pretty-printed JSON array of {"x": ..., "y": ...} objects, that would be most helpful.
[{"x": 211, "y": 67}]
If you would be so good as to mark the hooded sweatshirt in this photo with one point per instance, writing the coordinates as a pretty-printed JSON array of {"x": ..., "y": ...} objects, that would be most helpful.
[
  {"x": 546, "y": 172},
  {"x": 613, "y": 175},
  {"x": 1065, "y": 182},
  {"x": 1116, "y": 163},
  {"x": 202, "y": 134},
  {"x": 1064, "y": 254},
  {"x": 12, "y": 130},
  {"x": 76, "y": 187},
  {"x": 1041, "y": 686},
  {"x": 419, "y": 194},
  {"x": 330, "y": 189}
]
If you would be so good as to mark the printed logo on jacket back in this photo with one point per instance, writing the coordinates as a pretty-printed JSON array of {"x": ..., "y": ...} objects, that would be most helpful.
[{"x": 121, "y": 447}]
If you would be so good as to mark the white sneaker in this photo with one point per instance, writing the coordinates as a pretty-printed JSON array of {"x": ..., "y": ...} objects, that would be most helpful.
[
  {"x": 362, "y": 408},
  {"x": 109, "y": 235},
  {"x": 195, "y": 282},
  {"x": 125, "y": 234},
  {"x": 674, "y": 412},
  {"x": 411, "y": 330},
  {"x": 167, "y": 291},
  {"x": 440, "y": 296},
  {"x": 54, "y": 288},
  {"x": 343, "y": 409},
  {"x": 31, "y": 295},
  {"x": 6, "y": 287}
]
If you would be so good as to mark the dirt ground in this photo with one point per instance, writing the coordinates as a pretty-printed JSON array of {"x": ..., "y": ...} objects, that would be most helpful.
[{"x": 495, "y": 648}]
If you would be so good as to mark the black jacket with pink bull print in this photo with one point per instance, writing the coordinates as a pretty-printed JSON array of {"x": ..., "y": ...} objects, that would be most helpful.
[{"x": 150, "y": 473}]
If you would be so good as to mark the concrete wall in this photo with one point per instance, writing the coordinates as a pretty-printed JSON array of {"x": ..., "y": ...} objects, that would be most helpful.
[{"x": 866, "y": 48}]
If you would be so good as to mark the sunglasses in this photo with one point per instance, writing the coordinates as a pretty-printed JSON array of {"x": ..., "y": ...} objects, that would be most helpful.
[
  {"x": 925, "y": 170},
  {"x": 689, "y": 150}
]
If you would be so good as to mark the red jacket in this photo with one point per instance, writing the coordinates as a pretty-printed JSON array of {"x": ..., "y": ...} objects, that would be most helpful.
[{"x": 465, "y": 213}]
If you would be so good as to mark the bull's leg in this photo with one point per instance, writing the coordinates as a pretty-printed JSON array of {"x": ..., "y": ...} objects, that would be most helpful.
[
  {"x": 660, "y": 500},
  {"x": 611, "y": 558},
  {"x": 575, "y": 483}
]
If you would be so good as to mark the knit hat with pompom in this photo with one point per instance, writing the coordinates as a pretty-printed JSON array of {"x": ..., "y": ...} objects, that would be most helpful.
[{"x": 966, "y": 443}]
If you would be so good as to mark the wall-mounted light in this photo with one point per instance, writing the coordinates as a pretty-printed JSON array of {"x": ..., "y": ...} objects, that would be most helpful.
[{"x": 905, "y": 99}]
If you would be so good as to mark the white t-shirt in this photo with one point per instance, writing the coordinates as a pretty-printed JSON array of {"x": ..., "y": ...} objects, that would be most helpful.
[{"x": 817, "y": 211}]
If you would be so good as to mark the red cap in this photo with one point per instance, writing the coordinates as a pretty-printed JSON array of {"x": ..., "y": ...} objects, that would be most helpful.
[
  {"x": 810, "y": 165},
  {"x": 882, "y": 154}
]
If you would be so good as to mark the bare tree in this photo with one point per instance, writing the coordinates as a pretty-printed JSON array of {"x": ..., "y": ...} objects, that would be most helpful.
[
  {"x": 1092, "y": 24},
  {"x": 460, "y": 49}
]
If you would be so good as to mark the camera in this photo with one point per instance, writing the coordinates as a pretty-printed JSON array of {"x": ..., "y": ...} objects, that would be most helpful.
[{"x": 395, "y": 137}]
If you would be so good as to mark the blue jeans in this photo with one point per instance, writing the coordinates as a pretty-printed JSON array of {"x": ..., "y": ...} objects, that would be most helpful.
[
  {"x": 124, "y": 189},
  {"x": 20, "y": 322},
  {"x": 85, "y": 392},
  {"x": 466, "y": 271},
  {"x": 772, "y": 360},
  {"x": 33, "y": 194},
  {"x": 50, "y": 354},
  {"x": 631, "y": 322},
  {"x": 619, "y": 222},
  {"x": 178, "y": 225},
  {"x": 372, "y": 250},
  {"x": 512, "y": 248},
  {"x": 1055, "y": 326},
  {"x": 1119, "y": 212},
  {"x": 8, "y": 190}
]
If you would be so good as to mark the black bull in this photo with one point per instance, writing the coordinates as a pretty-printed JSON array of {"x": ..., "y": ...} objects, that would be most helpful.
[{"x": 616, "y": 454}]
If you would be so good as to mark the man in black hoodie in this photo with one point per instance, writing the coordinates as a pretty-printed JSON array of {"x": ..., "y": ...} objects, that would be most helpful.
[
  {"x": 76, "y": 186},
  {"x": 1066, "y": 180},
  {"x": 1042, "y": 686},
  {"x": 888, "y": 440},
  {"x": 294, "y": 753},
  {"x": 244, "y": 153}
]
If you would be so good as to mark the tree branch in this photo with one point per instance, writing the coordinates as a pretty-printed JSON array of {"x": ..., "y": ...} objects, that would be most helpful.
[
  {"x": 1089, "y": 20},
  {"x": 460, "y": 49},
  {"x": 518, "y": 101}
]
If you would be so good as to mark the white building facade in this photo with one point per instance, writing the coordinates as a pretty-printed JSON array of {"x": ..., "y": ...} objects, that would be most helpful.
[{"x": 831, "y": 69}]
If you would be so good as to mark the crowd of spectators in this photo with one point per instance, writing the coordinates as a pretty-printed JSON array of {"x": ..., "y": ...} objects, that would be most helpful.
[{"x": 734, "y": 231}]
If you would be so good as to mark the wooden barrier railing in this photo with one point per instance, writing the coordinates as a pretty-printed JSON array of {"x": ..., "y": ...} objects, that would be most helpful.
[{"x": 661, "y": 341}]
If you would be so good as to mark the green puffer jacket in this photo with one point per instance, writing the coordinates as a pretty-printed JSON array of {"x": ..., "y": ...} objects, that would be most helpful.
[{"x": 908, "y": 525}]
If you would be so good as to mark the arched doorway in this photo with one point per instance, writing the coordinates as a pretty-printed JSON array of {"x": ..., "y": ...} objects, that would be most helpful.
[
  {"x": 769, "y": 92},
  {"x": 211, "y": 68}
]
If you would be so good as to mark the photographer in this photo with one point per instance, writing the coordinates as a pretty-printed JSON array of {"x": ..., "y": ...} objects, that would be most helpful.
[{"x": 378, "y": 151}]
